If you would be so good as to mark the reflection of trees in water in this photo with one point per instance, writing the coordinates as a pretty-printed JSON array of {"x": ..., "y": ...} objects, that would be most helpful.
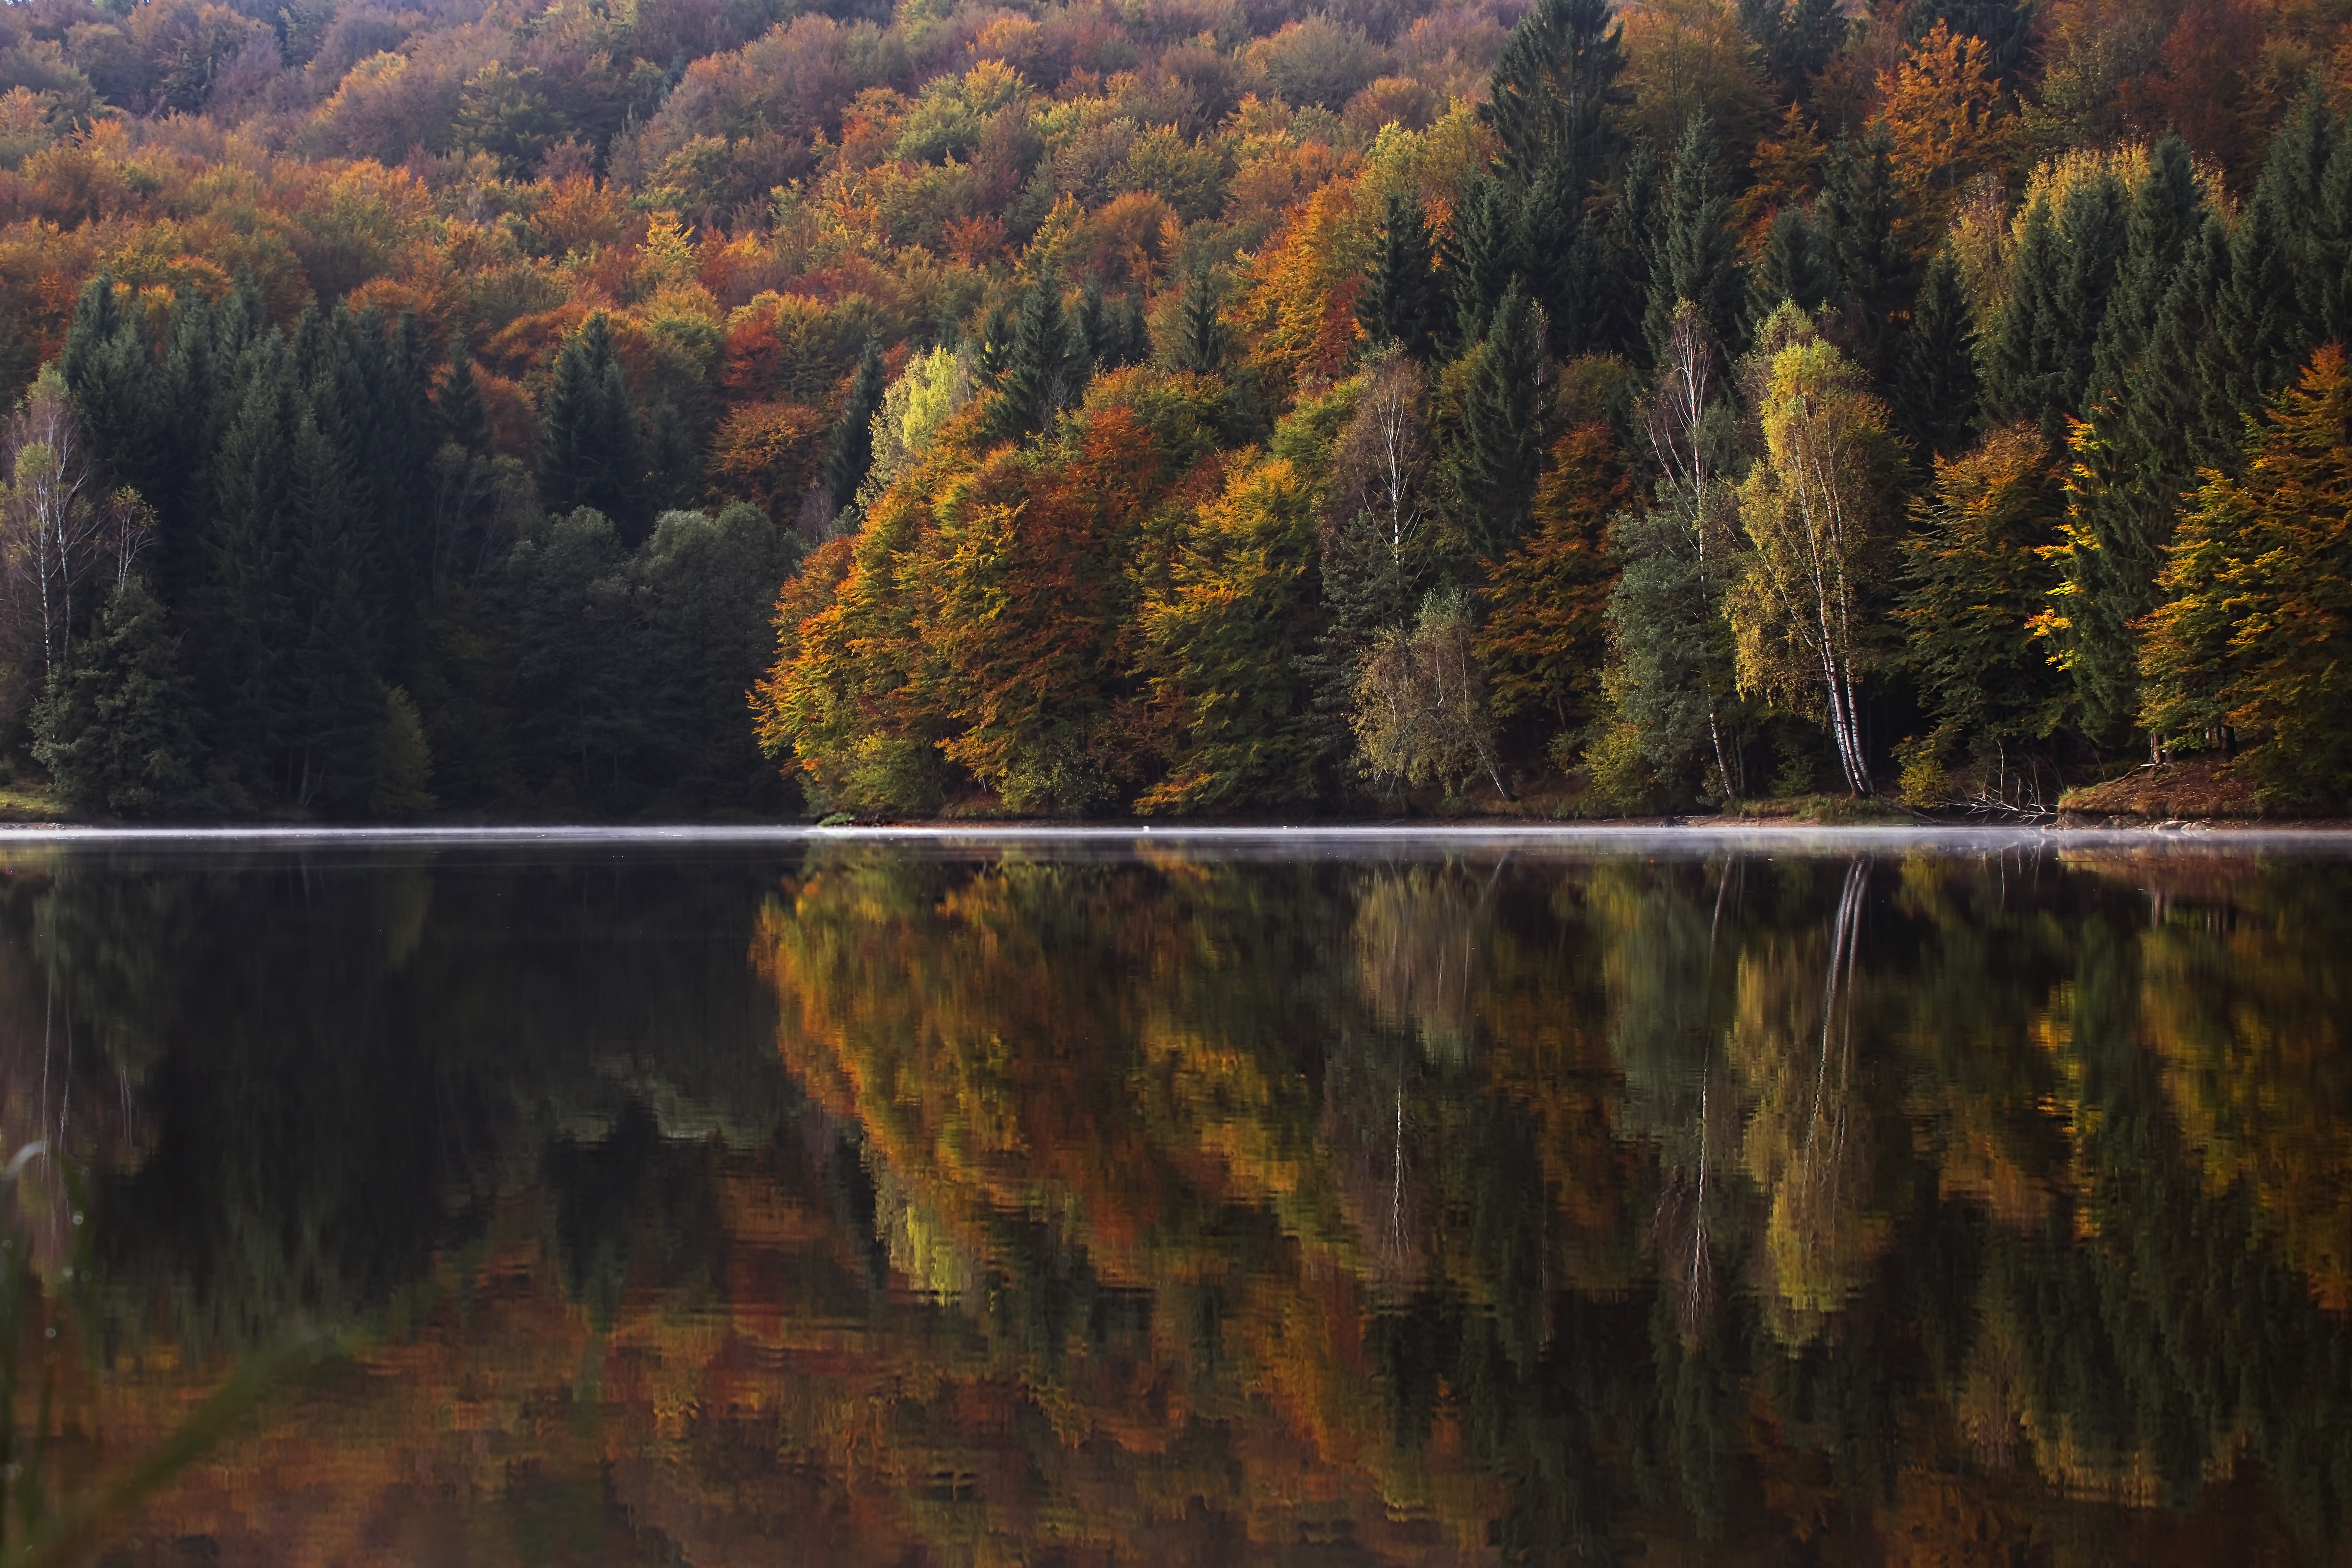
[
  {"x": 1686, "y": 1202},
  {"x": 332, "y": 1065}
]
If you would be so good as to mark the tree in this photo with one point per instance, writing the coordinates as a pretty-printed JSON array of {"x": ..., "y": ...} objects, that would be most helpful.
[
  {"x": 1502, "y": 425},
  {"x": 1867, "y": 222},
  {"x": 1812, "y": 510},
  {"x": 1941, "y": 109},
  {"x": 1935, "y": 373},
  {"x": 1671, "y": 674},
  {"x": 1222, "y": 641},
  {"x": 1545, "y": 631},
  {"x": 122, "y": 733},
  {"x": 1200, "y": 335},
  {"x": 1042, "y": 375},
  {"x": 1976, "y": 573},
  {"x": 1483, "y": 255},
  {"x": 2039, "y": 360},
  {"x": 402, "y": 770},
  {"x": 1401, "y": 301},
  {"x": 850, "y": 452},
  {"x": 1420, "y": 714},
  {"x": 1552, "y": 89},
  {"x": 590, "y": 452},
  {"x": 61, "y": 535},
  {"x": 457, "y": 400},
  {"x": 1795, "y": 267},
  {"x": 1697, "y": 255},
  {"x": 1799, "y": 37},
  {"x": 2255, "y": 635}
]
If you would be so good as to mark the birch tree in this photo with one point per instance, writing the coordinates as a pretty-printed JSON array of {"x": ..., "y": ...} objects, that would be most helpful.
[
  {"x": 64, "y": 540},
  {"x": 1813, "y": 509}
]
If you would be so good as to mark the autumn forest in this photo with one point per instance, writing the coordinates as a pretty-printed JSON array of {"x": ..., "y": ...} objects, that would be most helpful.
[{"x": 623, "y": 409}]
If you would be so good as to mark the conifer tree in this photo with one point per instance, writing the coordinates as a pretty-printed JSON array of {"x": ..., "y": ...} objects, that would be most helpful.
[
  {"x": 251, "y": 629},
  {"x": 1862, "y": 215},
  {"x": 1936, "y": 376},
  {"x": 122, "y": 733},
  {"x": 1502, "y": 420},
  {"x": 2040, "y": 359},
  {"x": 1698, "y": 255},
  {"x": 1553, "y": 86},
  {"x": 1794, "y": 267},
  {"x": 590, "y": 451},
  {"x": 1040, "y": 373},
  {"x": 1200, "y": 335},
  {"x": 1482, "y": 256},
  {"x": 2167, "y": 211},
  {"x": 1797, "y": 37},
  {"x": 850, "y": 452},
  {"x": 1402, "y": 302},
  {"x": 1629, "y": 250}
]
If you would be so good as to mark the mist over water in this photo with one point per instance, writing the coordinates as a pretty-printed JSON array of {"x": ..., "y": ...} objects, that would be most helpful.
[{"x": 1266, "y": 1195}]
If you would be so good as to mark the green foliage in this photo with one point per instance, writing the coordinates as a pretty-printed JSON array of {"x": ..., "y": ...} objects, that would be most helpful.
[
  {"x": 404, "y": 761},
  {"x": 1698, "y": 255},
  {"x": 1401, "y": 301},
  {"x": 1502, "y": 426},
  {"x": 590, "y": 452},
  {"x": 1936, "y": 379},
  {"x": 122, "y": 734},
  {"x": 850, "y": 453}
]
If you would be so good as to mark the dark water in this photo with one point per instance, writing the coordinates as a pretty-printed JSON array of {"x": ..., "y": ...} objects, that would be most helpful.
[{"x": 1329, "y": 1201}]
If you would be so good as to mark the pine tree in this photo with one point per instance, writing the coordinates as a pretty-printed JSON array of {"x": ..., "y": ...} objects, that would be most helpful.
[
  {"x": 590, "y": 451},
  {"x": 1936, "y": 374},
  {"x": 1502, "y": 420},
  {"x": 1863, "y": 216},
  {"x": 1482, "y": 256},
  {"x": 1553, "y": 86},
  {"x": 1629, "y": 251},
  {"x": 250, "y": 628},
  {"x": 1798, "y": 40},
  {"x": 1794, "y": 267},
  {"x": 2167, "y": 209},
  {"x": 1697, "y": 255},
  {"x": 1200, "y": 335},
  {"x": 122, "y": 734},
  {"x": 850, "y": 452},
  {"x": 2040, "y": 357},
  {"x": 1401, "y": 301},
  {"x": 1039, "y": 373}
]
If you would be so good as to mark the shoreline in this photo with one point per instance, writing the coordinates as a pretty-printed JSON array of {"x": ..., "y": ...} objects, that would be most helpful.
[{"x": 2062, "y": 828}]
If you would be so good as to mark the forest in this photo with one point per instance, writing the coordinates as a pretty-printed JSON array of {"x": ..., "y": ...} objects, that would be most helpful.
[{"x": 745, "y": 407}]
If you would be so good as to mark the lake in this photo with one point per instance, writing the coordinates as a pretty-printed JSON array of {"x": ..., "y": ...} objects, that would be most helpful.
[{"x": 1275, "y": 1197}]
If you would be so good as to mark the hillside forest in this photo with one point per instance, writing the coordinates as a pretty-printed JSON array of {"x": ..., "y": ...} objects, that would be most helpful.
[{"x": 722, "y": 407}]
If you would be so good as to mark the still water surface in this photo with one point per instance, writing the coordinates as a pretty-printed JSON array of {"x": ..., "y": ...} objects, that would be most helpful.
[{"x": 1303, "y": 1201}]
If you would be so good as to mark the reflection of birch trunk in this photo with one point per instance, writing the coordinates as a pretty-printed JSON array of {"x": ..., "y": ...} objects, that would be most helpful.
[{"x": 1822, "y": 1157}]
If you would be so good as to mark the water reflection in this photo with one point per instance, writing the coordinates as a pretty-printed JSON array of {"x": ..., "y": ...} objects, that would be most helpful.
[{"x": 1011, "y": 1205}]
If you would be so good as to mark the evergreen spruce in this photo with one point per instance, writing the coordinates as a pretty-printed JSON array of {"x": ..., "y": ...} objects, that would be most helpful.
[
  {"x": 1041, "y": 374},
  {"x": 2040, "y": 361},
  {"x": 1502, "y": 419},
  {"x": 1482, "y": 256},
  {"x": 850, "y": 452},
  {"x": 1199, "y": 336},
  {"x": 1553, "y": 86},
  {"x": 590, "y": 452},
  {"x": 1698, "y": 255},
  {"x": 1798, "y": 39},
  {"x": 1401, "y": 301},
  {"x": 1935, "y": 375},
  {"x": 121, "y": 734},
  {"x": 1860, "y": 214},
  {"x": 2167, "y": 211},
  {"x": 1794, "y": 267}
]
